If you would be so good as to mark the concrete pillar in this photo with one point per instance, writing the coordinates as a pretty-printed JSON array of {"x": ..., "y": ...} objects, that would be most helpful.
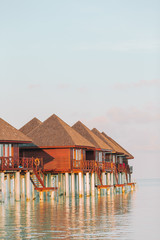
[
  {"x": 17, "y": 186},
  {"x": 123, "y": 181},
  {"x": 112, "y": 188},
  {"x": 103, "y": 191},
  {"x": 33, "y": 192},
  {"x": 92, "y": 184},
  {"x": 22, "y": 186},
  {"x": 108, "y": 183},
  {"x": 8, "y": 185},
  {"x": 67, "y": 184},
  {"x": 28, "y": 186},
  {"x": 80, "y": 180},
  {"x": 5, "y": 186},
  {"x": 2, "y": 185},
  {"x": 76, "y": 185},
  {"x": 87, "y": 184},
  {"x": 41, "y": 196},
  {"x": 73, "y": 184},
  {"x": 49, "y": 183},
  {"x": 60, "y": 184},
  {"x": 54, "y": 183}
]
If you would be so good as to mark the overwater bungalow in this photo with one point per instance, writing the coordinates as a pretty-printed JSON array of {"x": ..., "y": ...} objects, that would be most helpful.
[
  {"x": 16, "y": 167},
  {"x": 52, "y": 155}
]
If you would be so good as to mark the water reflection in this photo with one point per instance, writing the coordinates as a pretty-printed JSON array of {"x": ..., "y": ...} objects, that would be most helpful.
[
  {"x": 66, "y": 218},
  {"x": 105, "y": 217}
]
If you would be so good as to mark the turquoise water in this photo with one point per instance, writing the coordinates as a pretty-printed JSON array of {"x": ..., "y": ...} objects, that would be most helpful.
[{"x": 134, "y": 215}]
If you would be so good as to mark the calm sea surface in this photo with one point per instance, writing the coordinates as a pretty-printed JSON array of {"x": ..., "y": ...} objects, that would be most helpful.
[{"x": 134, "y": 215}]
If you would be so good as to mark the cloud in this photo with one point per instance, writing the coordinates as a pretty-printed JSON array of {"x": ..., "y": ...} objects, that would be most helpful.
[
  {"x": 123, "y": 46},
  {"x": 33, "y": 86},
  {"x": 82, "y": 89},
  {"x": 63, "y": 86},
  {"x": 138, "y": 84},
  {"x": 133, "y": 115}
]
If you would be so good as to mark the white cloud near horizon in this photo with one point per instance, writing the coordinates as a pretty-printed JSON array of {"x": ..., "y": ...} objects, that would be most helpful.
[
  {"x": 34, "y": 86},
  {"x": 123, "y": 46},
  {"x": 138, "y": 84}
]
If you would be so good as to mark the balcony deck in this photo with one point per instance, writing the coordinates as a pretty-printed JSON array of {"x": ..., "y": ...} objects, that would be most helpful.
[
  {"x": 91, "y": 165},
  {"x": 22, "y": 163}
]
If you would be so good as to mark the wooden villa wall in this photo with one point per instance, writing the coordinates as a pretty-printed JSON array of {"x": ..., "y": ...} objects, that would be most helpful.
[
  {"x": 58, "y": 159},
  {"x": 61, "y": 161}
]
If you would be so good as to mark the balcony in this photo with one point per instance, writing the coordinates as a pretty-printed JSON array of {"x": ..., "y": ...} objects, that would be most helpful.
[
  {"x": 23, "y": 163},
  {"x": 108, "y": 166},
  {"x": 83, "y": 165},
  {"x": 92, "y": 165}
]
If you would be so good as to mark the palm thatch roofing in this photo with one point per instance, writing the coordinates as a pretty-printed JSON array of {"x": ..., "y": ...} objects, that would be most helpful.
[
  {"x": 55, "y": 132},
  {"x": 9, "y": 133},
  {"x": 118, "y": 146},
  {"x": 90, "y": 136},
  {"x": 28, "y": 127}
]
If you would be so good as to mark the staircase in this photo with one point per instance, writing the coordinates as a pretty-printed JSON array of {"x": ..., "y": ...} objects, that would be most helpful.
[{"x": 38, "y": 182}]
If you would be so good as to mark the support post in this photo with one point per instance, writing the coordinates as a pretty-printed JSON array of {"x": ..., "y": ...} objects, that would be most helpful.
[
  {"x": 67, "y": 184},
  {"x": 73, "y": 183},
  {"x": 87, "y": 184},
  {"x": 103, "y": 182},
  {"x": 92, "y": 184},
  {"x": 2, "y": 185},
  {"x": 53, "y": 185},
  {"x": 60, "y": 184},
  {"x": 80, "y": 176},
  {"x": 22, "y": 186},
  {"x": 8, "y": 185},
  {"x": 28, "y": 187},
  {"x": 49, "y": 184},
  {"x": 112, "y": 188},
  {"x": 17, "y": 186},
  {"x": 41, "y": 196},
  {"x": 108, "y": 183}
]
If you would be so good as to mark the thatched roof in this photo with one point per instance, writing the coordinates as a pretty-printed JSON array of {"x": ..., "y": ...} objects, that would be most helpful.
[
  {"x": 90, "y": 136},
  {"x": 103, "y": 138},
  {"x": 114, "y": 147},
  {"x": 9, "y": 133},
  {"x": 28, "y": 127},
  {"x": 118, "y": 146},
  {"x": 55, "y": 132}
]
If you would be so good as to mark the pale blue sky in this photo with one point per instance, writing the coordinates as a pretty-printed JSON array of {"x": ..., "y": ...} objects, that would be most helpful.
[{"x": 94, "y": 61}]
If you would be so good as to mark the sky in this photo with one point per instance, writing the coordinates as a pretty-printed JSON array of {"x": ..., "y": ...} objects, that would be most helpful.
[{"x": 93, "y": 61}]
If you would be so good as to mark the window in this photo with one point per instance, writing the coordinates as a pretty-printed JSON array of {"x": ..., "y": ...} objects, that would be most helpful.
[
  {"x": 1, "y": 150},
  {"x": 78, "y": 154},
  {"x": 100, "y": 156},
  {"x": 114, "y": 159},
  {"x": 10, "y": 150}
]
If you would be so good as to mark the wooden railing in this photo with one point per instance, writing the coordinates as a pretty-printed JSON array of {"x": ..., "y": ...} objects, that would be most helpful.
[
  {"x": 92, "y": 165},
  {"x": 83, "y": 165},
  {"x": 124, "y": 168},
  {"x": 109, "y": 166},
  {"x": 22, "y": 163}
]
